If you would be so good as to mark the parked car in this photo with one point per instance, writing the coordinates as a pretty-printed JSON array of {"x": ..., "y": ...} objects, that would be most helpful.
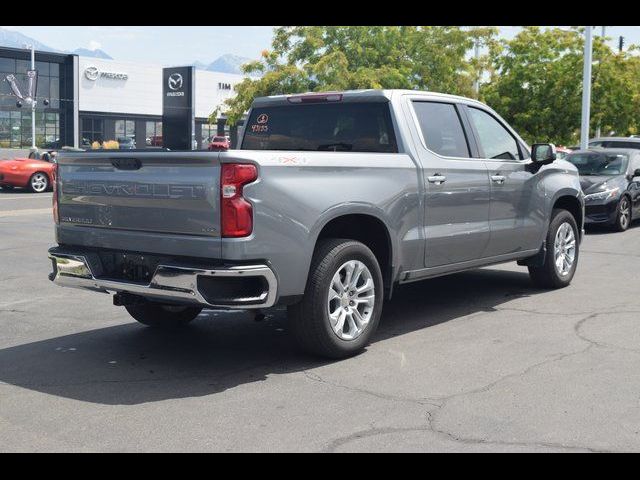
[
  {"x": 219, "y": 143},
  {"x": 615, "y": 142},
  {"x": 36, "y": 175},
  {"x": 562, "y": 152},
  {"x": 610, "y": 180},
  {"x": 154, "y": 141},
  {"x": 126, "y": 143},
  {"x": 332, "y": 201}
]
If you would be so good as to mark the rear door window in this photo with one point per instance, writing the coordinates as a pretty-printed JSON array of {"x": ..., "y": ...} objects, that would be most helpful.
[
  {"x": 441, "y": 129},
  {"x": 331, "y": 127}
]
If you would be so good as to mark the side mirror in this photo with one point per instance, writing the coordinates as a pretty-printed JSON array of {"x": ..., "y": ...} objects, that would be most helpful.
[
  {"x": 636, "y": 173},
  {"x": 543, "y": 152}
]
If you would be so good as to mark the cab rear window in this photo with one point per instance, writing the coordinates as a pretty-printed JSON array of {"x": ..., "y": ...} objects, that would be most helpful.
[{"x": 339, "y": 127}]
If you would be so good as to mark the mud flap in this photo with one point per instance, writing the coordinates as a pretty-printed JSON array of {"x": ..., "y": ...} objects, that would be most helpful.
[{"x": 537, "y": 260}]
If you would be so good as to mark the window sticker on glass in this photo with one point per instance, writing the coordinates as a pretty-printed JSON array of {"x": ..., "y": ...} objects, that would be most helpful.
[{"x": 261, "y": 124}]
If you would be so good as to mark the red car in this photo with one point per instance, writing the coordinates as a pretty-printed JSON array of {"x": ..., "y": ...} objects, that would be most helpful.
[
  {"x": 36, "y": 175},
  {"x": 219, "y": 143}
]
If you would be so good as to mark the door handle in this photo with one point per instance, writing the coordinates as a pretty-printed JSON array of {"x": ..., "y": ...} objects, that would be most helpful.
[
  {"x": 499, "y": 179},
  {"x": 437, "y": 179}
]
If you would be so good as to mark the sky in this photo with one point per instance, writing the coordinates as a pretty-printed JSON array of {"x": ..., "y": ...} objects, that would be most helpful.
[
  {"x": 183, "y": 45},
  {"x": 148, "y": 44}
]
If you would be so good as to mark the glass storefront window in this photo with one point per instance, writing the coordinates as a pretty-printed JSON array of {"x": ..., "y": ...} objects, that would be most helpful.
[
  {"x": 42, "y": 68},
  {"x": 7, "y": 65},
  {"x": 208, "y": 131},
  {"x": 92, "y": 131},
  {"x": 153, "y": 134},
  {"x": 15, "y": 129},
  {"x": 126, "y": 133},
  {"x": 5, "y": 129},
  {"x": 15, "y": 123}
]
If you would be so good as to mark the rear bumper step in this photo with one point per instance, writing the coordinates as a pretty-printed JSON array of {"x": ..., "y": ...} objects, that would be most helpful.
[{"x": 174, "y": 283}]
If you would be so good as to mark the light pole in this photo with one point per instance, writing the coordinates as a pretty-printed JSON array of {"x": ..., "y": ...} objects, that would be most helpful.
[
  {"x": 602, "y": 35},
  {"x": 586, "y": 89},
  {"x": 476, "y": 83},
  {"x": 33, "y": 103}
]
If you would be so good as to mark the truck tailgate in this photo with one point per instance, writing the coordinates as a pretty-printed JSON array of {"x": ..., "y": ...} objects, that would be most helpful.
[{"x": 153, "y": 192}]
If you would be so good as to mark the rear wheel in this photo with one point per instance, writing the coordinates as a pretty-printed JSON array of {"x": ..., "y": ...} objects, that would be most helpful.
[
  {"x": 561, "y": 257},
  {"x": 39, "y": 182},
  {"x": 623, "y": 217},
  {"x": 342, "y": 304},
  {"x": 163, "y": 316}
]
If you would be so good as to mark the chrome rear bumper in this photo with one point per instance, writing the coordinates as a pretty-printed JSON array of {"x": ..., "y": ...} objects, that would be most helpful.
[{"x": 171, "y": 283}]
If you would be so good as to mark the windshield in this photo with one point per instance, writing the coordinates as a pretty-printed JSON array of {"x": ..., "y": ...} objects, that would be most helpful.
[
  {"x": 218, "y": 139},
  {"x": 599, "y": 164},
  {"x": 341, "y": 127}
]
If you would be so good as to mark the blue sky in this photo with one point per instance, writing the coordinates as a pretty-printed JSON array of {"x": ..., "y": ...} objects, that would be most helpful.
[
  {"x": 181, "y": 45},
  {"x": 170, "y": 45}
]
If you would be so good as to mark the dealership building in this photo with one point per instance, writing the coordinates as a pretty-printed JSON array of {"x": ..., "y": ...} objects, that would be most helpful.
[{"x": 93, "y": 99}]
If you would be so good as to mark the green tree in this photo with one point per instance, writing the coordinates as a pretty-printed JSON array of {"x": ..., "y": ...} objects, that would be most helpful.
[
  {"x": 314, "y": 58},
  {"x": 536, "y": 85}
]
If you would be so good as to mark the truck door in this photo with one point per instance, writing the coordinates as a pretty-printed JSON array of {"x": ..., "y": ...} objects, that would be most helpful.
[
  {"x": 456, "y": 186},
  {"x": 517, "y": 213}
]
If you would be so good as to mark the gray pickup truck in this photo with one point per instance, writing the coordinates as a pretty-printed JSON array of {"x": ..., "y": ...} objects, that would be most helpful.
[{"x": 331, "y": 201}]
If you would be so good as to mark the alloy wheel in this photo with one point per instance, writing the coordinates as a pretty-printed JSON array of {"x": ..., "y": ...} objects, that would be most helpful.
[
  {"x": 625, "y": 213},
  {"x": 564, "y": 249},
  {"x": 351, "y": 300},
  {"x": 39, "y": 182}
]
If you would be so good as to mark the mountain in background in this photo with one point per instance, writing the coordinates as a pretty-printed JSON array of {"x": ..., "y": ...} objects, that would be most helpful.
[
  {"x": 10, "y": 38},
  {"x": 228, "y": 63},
  {"x": 97, "y": 53},
  {"x": 199, "y": 65}
]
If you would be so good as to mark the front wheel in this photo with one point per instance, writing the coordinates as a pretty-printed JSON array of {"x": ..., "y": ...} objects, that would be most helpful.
[
  {"x": 163, "y": 316},
  {"x": 342, "y": 304},
  {"x": 561, "y": 258},
  {"x": 623, "y": 217},
  {"x": 39, "y": 182}
]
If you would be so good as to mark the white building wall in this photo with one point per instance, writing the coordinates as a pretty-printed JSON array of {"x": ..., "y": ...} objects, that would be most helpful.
[{"x": 141, "y": 92}]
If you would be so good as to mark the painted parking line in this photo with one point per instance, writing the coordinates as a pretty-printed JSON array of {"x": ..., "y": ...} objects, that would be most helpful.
[
  {"x": 26, "y": 211},
  {"x": 27, "y": 197}
]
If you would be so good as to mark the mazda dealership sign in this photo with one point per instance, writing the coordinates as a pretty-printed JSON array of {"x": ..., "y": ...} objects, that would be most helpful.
[
  {"x": 178, "y": 107},
  {"x": 93, "y": 73}
]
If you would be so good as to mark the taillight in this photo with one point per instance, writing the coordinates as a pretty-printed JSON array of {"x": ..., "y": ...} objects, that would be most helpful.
[
  {"x": 236, "y": 213},
  {"x": 54, "y": 174},
  {"x": 315, "y": 98}
]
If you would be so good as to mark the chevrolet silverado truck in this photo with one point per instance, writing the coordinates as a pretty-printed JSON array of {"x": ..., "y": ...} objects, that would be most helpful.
[{"x": 331, "y": 201}]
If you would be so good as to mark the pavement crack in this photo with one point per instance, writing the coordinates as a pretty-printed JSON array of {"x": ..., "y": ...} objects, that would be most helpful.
[{"x": 393, "y": 398}]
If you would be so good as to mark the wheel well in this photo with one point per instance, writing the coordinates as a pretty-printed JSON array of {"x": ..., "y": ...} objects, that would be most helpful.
[
  {"x": 572, "y": 205},
  {"x": 368, "y": 230}
]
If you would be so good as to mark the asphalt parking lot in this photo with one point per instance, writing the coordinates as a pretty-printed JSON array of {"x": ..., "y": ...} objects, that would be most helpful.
[{"x": 479, "y": 361}]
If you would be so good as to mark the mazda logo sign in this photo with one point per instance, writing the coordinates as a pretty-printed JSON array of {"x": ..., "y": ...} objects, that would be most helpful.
[
  {"x": 92, "y": 73},
  {"x": 175, "y": 81}
]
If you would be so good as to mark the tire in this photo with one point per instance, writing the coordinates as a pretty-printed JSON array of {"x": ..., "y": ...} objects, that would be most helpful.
[
  {"x": 158, "y": 315},
  {"x": 310, "y": 321},
  {"x": 550, "y": 275},
  {"x": 623, "y": 215},
  {"x": 39, "y": 182}
]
